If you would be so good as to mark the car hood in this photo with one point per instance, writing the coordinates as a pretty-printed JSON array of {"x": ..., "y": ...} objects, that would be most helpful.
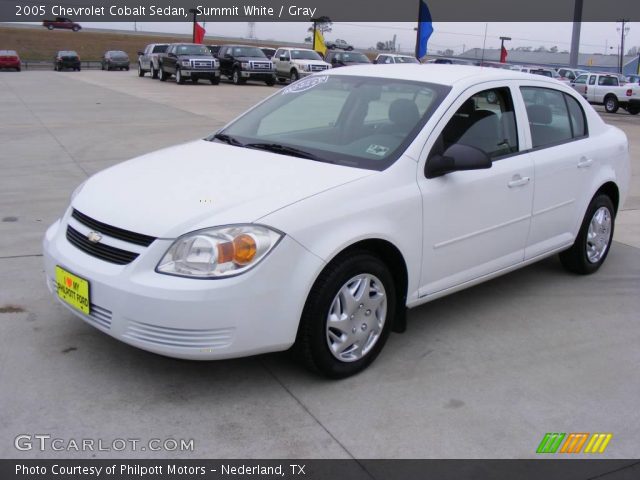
[
  {"x": 252, "y": 59},
  {"x": 202, "y": 184}
]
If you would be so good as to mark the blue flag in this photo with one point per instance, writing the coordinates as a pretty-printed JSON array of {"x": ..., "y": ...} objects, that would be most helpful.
[{"x": 425, "y": 29}]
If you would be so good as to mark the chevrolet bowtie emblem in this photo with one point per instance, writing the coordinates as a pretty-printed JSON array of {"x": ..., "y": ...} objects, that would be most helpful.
[{"x": 94, "y": 237}]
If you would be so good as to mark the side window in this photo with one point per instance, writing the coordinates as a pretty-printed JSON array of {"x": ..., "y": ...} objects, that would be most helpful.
[
  {"x": 548, "y": 116},
  {"x": 485, "y": 121},
  {"x": 278, "y": 54},
  {"x": 608, "y": 81},
  {"x": 287, "y": 55},
  {"x": 592, "y": 80},
  {"x": 581, "y": 79},
  {"x": 578, "y": 122}
]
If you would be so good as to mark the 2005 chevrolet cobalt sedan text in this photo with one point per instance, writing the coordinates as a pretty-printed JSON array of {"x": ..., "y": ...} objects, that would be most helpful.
[{"x": 316, "y": 218}]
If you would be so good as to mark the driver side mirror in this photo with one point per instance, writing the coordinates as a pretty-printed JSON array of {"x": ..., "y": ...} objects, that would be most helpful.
[
  {"x": 171, "y": 54},
  {"x": 456, "y": 158},
  {"x": 140, "y": 53},
  {"x": 283, "y": 58}
]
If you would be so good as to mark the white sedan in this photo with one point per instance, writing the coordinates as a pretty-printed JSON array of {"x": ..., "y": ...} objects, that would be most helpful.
[{"x": 315, "y": 219}]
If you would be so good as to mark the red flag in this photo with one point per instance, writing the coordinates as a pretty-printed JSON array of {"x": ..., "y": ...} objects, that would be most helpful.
[
  {"x": 503, "y": 55},
  {"x": 199, "y": 33}
]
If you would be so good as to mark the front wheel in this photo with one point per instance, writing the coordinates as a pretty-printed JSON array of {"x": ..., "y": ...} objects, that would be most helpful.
[
  {"x": 179, "y": 77},
  {"x": 236, "y": 78},
  {"x": 162, "y": 75},
  {"x": 294, "y": 76},
  {"x": 215, "y": 80},
  {"x": 154, "y": 72},
  {"x": 270, "y": 83},
  {"x": 611, "y": 104},
  {"x": 591, "y": 247},
  {"x": 348, "y": 316}
]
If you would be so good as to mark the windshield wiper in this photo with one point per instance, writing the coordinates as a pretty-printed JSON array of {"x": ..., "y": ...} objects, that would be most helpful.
[
  {"x": 284, "y": 150},
  {"x": 223, "y": 137}
]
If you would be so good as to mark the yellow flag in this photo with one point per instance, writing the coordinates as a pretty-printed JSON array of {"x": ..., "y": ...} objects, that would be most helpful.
[{"x": 320, "y": 46}]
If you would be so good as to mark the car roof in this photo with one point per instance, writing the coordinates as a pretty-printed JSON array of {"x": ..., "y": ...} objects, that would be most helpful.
[{"x": 443, "y": 74}]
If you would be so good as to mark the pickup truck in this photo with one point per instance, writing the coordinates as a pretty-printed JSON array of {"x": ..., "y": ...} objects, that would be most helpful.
[
  {"x": 61, "y": 22},
  {"x": 148, "y": 59},
  {"x": 295, "y": 63},
  {"x": 605, "y": 89},
  {"x": 338, "y": 43},
  {"x": 188, "y": 61},
  {"x": 242, "y": 62}
]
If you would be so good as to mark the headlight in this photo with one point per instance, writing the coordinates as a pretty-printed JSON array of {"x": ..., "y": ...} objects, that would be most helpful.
[
  {"x": 219, "y": 252},
  {"x": 245, "y": 65},
  {"x": 185, "y": 63},
  {"x": 304, "y": 68}
]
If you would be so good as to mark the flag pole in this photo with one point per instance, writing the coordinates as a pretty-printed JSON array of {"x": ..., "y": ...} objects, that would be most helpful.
[{"x": 193, "y": 30}]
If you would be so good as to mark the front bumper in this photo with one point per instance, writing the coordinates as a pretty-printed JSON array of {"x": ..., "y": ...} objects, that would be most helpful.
[
  {"x": 252, "y": 313},
  {"x": 258, "y": 75},
  {"x": 200, "y": 73}
]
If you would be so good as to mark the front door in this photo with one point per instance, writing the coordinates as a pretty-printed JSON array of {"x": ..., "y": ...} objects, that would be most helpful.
[{"x": 476, "y": 222}]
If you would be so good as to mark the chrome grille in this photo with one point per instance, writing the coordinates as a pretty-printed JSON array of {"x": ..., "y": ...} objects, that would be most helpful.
[
  {"x": 179, "y": 337},
  {"x": 261, "y": 65},
  {"x": 318, "y": 68},
  {"x": 202, "y": 64}
]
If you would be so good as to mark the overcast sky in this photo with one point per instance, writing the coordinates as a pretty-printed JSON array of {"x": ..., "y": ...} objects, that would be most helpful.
[{"x": 595, "y": 37}]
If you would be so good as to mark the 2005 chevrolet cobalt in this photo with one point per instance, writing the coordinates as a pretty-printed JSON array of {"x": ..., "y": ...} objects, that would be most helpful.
[{"x": 317, "y": 217}]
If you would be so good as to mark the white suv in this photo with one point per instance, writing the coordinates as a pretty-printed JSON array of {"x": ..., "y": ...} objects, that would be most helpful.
[{"x": 295, "y": 63}]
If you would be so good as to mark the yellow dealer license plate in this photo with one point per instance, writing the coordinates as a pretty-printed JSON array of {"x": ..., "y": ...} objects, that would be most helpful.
[{"x": 73, "y": 290}]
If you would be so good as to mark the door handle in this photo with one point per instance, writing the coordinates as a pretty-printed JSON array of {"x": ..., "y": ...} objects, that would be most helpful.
[
  {"x": 518, "y": 181},
  {"x": 585, "y": 162}
]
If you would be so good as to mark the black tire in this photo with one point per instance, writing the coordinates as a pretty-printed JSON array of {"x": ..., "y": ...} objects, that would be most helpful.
[
  {"x": 75, "y": 29},
  {"x": 154, "y": 72},
  {"x": 270, "y": 83},
  {"x": 101, "y": 66},
  {"x": 349, "y": 49},
  {"x": 576, "y": 258},
  {"x": 50, "y": 27},
  {"x": 194, "y": 80},
  {"x": 77, "y": 69},
  {"x": 141, "y": 72},
  {"x": 18, "y": 69},
  {"x": 633, "y": 110},
  {"x": 311, "y": 345},
  {"x": 294, "y": 76},
  {"x": 236, "y": 78},
  {"x": 611, "y": 104},
  {"x": 179, "y": 77},
  {"x": 162, "y": 75},
  {"x": 281, "y": 80},
  {"x": 214, "y": 80},
  {"x": 126, "y": 68}
]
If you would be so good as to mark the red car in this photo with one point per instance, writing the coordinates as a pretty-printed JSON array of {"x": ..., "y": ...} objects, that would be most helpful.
[
  {"x": 61, "y": 22},
  {"x": 9, "y": 59}
]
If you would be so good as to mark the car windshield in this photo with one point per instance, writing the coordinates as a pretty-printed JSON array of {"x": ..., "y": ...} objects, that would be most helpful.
[
  {"x": 355, "y": 57},
  {"x": 68, "y": 53},
  {"x": 305, "y": 55},
  {"x": 118, "y": 54},
  {"x": 247, "y": 52},
  {"x": 192, "y": 50},
  {"x": 406, "y": 60},
  {"x": 355, "y": 121}
]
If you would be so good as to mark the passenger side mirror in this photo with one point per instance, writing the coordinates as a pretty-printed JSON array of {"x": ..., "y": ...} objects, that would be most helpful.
[{"x": 457, "y": 157}]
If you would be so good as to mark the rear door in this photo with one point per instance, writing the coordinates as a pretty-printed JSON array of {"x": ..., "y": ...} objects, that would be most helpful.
[{"x": 560, "y": 147}]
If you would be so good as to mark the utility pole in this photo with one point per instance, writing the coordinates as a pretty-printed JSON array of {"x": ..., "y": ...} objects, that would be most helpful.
[
  {"x": 575, "y": 35},
  {"x": 623, "y": 32},
  {"x": 193, "y": 34}
]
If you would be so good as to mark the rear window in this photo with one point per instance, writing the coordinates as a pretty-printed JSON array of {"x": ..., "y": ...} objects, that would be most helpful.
[{"x": 608, "y": 81}]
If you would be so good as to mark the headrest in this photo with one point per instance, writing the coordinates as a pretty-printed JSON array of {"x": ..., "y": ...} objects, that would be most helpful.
[{"x": 403, "y": 111}]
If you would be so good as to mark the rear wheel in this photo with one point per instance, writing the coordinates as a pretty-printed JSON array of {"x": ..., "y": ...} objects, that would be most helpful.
[
  {"x": 348, "y": 316},
  {"x": 592, "y": 244},
  {"x": 633, "y": 110},
  {"x": 154, "y": 72},
  {"x": 214, "y": 80},
  {"x": 50, "y": 27},
  {"x": 611, "y": 104},
  {"x": 75, "y": 29}
]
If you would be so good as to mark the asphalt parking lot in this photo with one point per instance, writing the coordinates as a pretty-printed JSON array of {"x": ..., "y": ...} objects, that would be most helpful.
[{"x": 484, "y": 373}]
